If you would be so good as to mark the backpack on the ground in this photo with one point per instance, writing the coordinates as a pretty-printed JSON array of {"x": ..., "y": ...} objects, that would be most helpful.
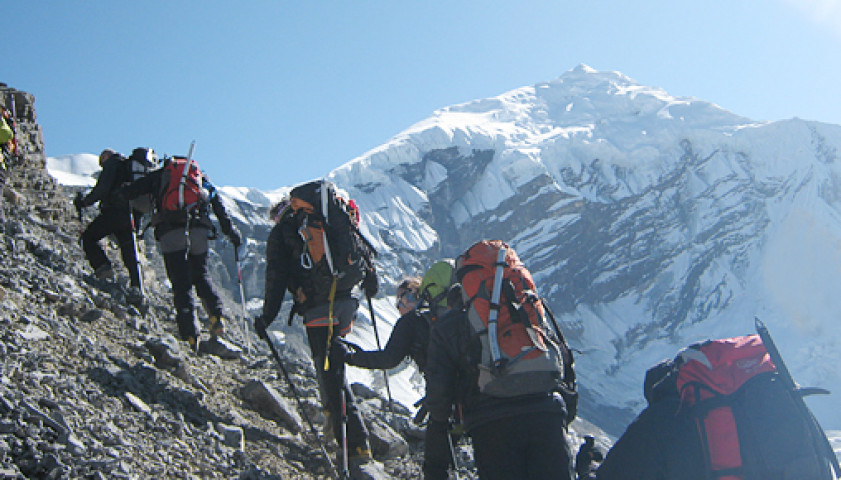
[
  {"x": 521, "y": 354},
  {"x": 138, "y": 165},
  {"x": 334, "y": 255},
  {"x": 750, "y": 425},
  {"x": 181, "y": 193}
]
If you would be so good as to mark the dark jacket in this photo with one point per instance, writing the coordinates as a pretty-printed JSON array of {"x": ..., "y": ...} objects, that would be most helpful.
[
  {"x": 452, "y": 378},
  {"x": 151, "y": 184},
  {"x": 410, "y": 337},
  {"x": 113, "y": 175},
  {"x": 285, "y": 272},
  {"x": 662, "y": 443}
]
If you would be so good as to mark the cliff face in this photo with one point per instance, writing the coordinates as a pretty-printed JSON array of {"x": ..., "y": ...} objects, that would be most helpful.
[{"x": 90, "y": 387}]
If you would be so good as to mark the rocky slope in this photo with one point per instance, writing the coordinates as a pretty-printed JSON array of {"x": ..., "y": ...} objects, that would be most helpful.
[{"x": 92, "y": 388}]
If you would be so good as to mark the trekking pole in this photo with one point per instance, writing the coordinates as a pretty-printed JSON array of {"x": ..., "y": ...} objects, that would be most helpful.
[
  {"x": 345, "y": 465},
  {"x": 184, "y": 173},
  {"x": 377, "y": 337},
  {"x": 245, "y": 332},
  {"x": 136, "y": 253},
  {"x": 453, "y": 455},
  {"x": 303, "y": 411}
]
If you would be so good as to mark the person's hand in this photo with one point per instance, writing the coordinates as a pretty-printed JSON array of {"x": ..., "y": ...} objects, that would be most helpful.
[
  {"x": 370, "y": 284},
  {"x": 420, "y": 417},
  {"x": 260, "y": 327},
  {"x": 79, "y": 201},
  {"x": 348, "y": 350},
  {"x": 235, "y": 237}
]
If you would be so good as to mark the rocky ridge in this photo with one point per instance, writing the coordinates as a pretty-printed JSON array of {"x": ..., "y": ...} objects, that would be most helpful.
[{"x": 93, "y": 388}]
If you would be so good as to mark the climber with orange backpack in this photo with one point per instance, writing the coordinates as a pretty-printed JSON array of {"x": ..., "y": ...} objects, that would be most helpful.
[
  {"x": 496, "y": 355},
  {"x": 317, "y": 253},
  {"x": 184, "y": 198}
]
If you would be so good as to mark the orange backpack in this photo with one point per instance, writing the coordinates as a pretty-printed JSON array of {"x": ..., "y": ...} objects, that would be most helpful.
[{"x": 520, "y": 354}]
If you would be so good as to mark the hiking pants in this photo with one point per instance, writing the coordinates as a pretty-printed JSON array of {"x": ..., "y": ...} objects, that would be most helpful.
[
  {"x": 331, "y": 383},
  {"x": 118, "y": 222},
  {"x": 531, "y": 446},
  {"x": 186, "y": 267}
]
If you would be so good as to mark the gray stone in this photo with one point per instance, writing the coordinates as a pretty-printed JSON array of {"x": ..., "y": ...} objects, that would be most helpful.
[
  {"x": 91, "y": 315},
  {"x": 232, "y": 436},
  {"x": 270, "y": 404},
  {"x": 165, "y": 350},
  {"x": 137, "y": 403},
  {"x": 385, "y": 442}
]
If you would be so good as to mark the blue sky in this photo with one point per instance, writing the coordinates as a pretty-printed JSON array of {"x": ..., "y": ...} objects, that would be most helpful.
[{"x": 280, "y": 92}]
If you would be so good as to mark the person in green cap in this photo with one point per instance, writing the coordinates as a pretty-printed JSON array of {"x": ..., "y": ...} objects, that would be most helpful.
[{"x": 420, "y": 302}]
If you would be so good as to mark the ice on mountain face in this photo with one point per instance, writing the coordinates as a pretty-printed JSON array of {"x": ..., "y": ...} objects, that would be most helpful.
[{"x": 649, "y": 221}]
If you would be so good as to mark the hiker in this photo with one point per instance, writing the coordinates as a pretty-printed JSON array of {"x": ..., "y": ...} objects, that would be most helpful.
[
  {"x": 297, "y": 260},
  {"x": 183, "y": 232},
  {"x": 7, "y": 136},
  {"x": 420, "y": 301},
  {"x": 722, "y": 409},
  {"x": 409, "y": 337},
  {"x": 586, "y": 456},
  {"x": 517, "y": 424},
  {"x": 115, "y": 217},
  {"x": 659, "y": 443}
]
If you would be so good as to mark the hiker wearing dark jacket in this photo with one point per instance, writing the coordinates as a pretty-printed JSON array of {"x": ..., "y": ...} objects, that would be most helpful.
[
  {"x": 184, "y": 246},
  {"x": 586, "y": 456},
  {"x": 285, "y": 271},
  {"x": 409, "y": 337},
  {"x": 115, "y": 217},
  {"x": 516, "y": 438},
  {"x": 662, "y": 442}
]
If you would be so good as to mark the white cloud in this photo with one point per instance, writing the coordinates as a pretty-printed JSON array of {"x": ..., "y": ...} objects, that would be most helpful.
[{"x": 823, "y": 12}]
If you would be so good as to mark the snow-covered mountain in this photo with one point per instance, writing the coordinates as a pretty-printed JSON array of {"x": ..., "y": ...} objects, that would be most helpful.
[{"x": 649, "y": 222}]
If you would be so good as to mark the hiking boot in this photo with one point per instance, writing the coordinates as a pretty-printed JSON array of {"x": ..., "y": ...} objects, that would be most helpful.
[
  {"x": 362, "y": 466},
  {"x": 104, "y": 272},
  {"x": 220, "y": 348},
  {"x": 194, "y": 344},
  {"x": 217, "y": 326}
]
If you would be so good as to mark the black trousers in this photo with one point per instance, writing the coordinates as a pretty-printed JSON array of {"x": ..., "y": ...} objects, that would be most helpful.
[
  {"x": 118, "y": 222},
  {"x": 332, "y": 383},
  {"x": 185, "y": 272},
  {"x": 531, "y": 446}
]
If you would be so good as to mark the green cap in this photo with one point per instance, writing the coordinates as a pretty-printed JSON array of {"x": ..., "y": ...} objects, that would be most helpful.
[{"x": 436, "y": 281}]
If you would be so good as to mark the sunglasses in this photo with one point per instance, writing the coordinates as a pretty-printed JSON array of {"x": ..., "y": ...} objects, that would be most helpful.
[{"x": 404, "y": 298}]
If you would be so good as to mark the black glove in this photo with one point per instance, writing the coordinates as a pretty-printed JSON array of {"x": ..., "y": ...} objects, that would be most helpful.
[
  {"x": 79, "y": 201},
  {"x": 260, "y": 327},
  {"x": 348, "y": 350},
  {"x": 371, "y": 284},
  {"x": 420, "y": 417},
  {"x": 235, "y": 237}
]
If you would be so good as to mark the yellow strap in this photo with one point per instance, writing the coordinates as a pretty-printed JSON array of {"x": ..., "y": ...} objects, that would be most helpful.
[{"x": 330, "y": 323}]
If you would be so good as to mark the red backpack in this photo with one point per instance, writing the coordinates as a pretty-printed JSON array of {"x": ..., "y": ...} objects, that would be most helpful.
[
  {"x": 520, "y": 355},
  {"x": 181, "y": 186},
  {"x": 750, "y": 426}
]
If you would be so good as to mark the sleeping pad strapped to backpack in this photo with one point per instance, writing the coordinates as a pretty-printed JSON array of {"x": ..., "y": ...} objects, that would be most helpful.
[{"x": 520, "y": 354}]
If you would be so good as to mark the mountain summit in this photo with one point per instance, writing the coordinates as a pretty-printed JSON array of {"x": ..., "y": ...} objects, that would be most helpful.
[{"x": 649, "y": 222}]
